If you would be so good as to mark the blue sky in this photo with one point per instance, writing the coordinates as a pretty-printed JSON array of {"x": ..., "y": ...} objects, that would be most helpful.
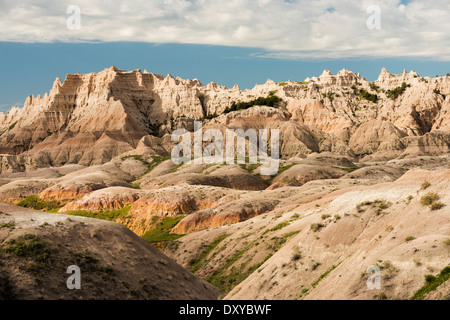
[{"x": 230, "y": 42}]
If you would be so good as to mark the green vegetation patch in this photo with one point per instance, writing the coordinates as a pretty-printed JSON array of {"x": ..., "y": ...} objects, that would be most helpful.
[
  {"x": 34, "y": 202},
  {"x": 277, "y": 227},
  {"x": 136, "y": 157},
  {"x": 378, "y": 203},
  {"x": 161, "y": 232},
  {"x": 374, "y": 87},
  {"x": 317, "y": 226},
  {"x": 305, "y": 291},
  {"x": 227, "y": 281},
  {"x": 280, "y": 171},
  {"x": 425, "y": 185},
  {"x": 228, "y": 276},
  {"x": 111, "y": 215},
  {"x": 156, "y": 160},
  {"x": 271, "y": 101},
  {"x": 28, "y": 246},
  {"x": 252, "y": 167},
  {"x": 8, "y": 225},
  {"x": 87, "y": 262},
  {"x": 438, "y": 92},
  {"x": 280, "y": 241},
  {"x": 395, "y": 93},
  {"x": 436, "y": 205},
  {"x": 431, "y": 200},
  {"x": 432, "y": 283},
  {"x": 289, "y": 181},
  {"x": 363, "y": 94},
  {"x": 201, "y": 260},
  {"x": 210, "y": 116},
  {"x": 136, "y": 185},
  {"x": 286, "y": 168},
  {"x": 269, "y": 181},
  {"x": 12, "y": 126},
  {"x": 324, "y": 275},
  {"x": 383, "y": 205},
  {"x": 177, "y": 167}
]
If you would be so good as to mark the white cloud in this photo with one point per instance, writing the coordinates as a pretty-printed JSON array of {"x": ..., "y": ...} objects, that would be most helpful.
[{"x": 289, "y": 29}]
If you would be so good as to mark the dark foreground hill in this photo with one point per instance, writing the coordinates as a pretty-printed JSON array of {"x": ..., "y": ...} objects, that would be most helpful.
[{"x": 36, "y": 249}]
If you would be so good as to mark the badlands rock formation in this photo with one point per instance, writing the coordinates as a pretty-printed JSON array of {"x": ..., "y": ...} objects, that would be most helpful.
[
  {"x": 90, "y": 119},
  {"x": 363, "y": 181},
  {"x": 319, "y": 242}
]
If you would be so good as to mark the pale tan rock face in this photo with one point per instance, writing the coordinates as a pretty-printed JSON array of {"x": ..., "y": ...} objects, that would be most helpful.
[
  {"x": 172, "y": 202},
  {"x": 343, "y": 249},
  {"x": 78, "y": 184},
  {"x": 114, "y": 198},
  {"x": 373, "y": 134},
  {"x": 91, "y": 118},
  {"x": 224, "y": 215}
]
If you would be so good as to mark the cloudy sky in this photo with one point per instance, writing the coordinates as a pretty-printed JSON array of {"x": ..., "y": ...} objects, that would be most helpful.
[{"x": 226, "y": 41}]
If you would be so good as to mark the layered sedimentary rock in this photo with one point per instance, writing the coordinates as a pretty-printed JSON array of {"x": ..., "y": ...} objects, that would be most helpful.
[
  {"x": 344, "y": 198},
  {"x": 114, "y": 198},
  {"x": 320, "y": 239},
  {"x": 227, "y": 214},
  {"x": 173, "y": 202},
  {"x": 90, "y": 119}
]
